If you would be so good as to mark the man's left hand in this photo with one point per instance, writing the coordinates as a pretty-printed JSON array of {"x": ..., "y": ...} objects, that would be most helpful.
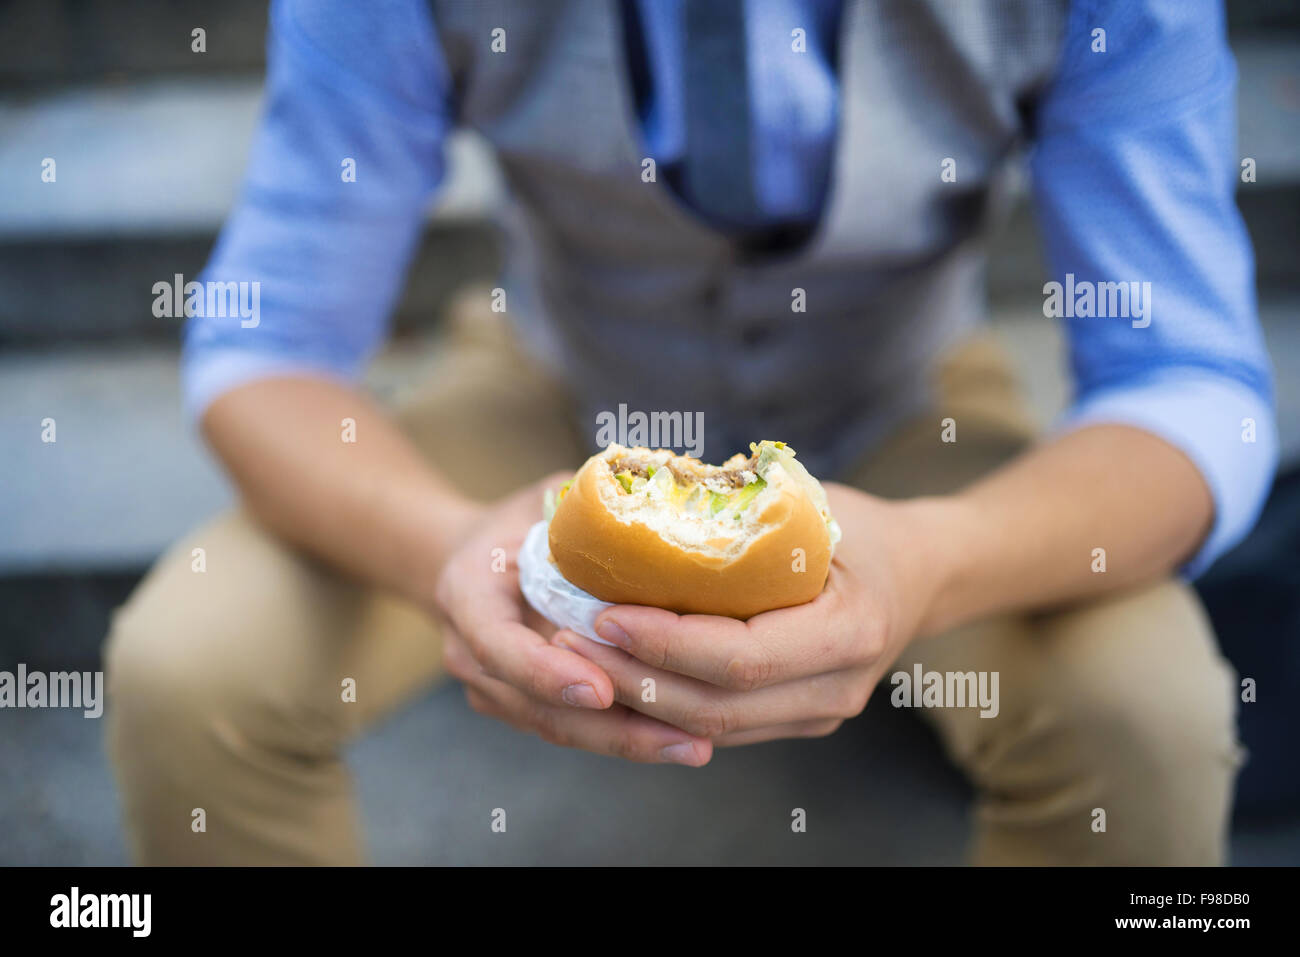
[{"x": 793, "y": 672}]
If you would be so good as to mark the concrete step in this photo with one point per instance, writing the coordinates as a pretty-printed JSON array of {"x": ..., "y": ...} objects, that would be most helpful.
[
  {"x": 146, "y": 174},
  {"x": 161, "y": 158},
  {"x": 89, "y": 292},
  {"x": 149, "y": 167},
  {"x": 164, "y": 157},
  {"x": 126, "y": 475},
  {"x": 53, "y": 42}
]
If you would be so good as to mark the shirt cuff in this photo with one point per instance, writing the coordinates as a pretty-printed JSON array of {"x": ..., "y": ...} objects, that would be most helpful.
[
  {"x": 213, "y": 372},
  {"x": 1227, "y": 429}
]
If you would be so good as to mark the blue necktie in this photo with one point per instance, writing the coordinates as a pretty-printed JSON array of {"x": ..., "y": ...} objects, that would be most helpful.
[{"x": 717, "y": 170}]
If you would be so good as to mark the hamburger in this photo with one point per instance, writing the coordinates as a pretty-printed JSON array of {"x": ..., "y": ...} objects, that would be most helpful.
[{"x": 648, "y": 527}]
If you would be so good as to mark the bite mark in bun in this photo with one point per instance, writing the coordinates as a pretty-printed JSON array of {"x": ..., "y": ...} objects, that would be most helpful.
[{"x": 647, "y": 527}]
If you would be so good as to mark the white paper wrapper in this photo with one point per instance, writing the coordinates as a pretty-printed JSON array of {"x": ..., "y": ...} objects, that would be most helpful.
[{"x": 554, "y": 597}]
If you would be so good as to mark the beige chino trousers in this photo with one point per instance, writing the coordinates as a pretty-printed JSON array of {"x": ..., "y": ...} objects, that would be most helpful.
[{"x": 224, "y": 687}]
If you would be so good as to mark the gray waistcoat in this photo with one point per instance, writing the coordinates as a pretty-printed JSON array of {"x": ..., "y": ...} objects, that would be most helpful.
[{"x": 633, "y": 299}]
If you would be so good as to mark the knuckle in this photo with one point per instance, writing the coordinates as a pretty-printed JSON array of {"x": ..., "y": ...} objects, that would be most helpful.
[
  {"x": 710, "y": 720},
  {"x": 822, "y": 729},
  {"x": 473, "y": 651},
  {"x": 547, "y": 734},
  {"x": 445, "y": 588},
  {"x": 748, "y": 671},
  {"x": 624, "y": 745},
  {"x": 853, "y": 703},
  {"x": 654, "y": 649},
  {"x": 549, "y": 728},
  {"x": 871, "y": 641},
  {"x": 462, "y": 670},
  {"x": 451, "y": 587},
  {"x": 535, "y": 684},
  {"x": 456, "y": 660},
  {"x": 627, "y": 688},
  {"x": 630, "y": 743}
]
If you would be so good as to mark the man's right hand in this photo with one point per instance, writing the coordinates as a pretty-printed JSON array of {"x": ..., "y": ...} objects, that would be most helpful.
[{"x": 497, "y": 646}]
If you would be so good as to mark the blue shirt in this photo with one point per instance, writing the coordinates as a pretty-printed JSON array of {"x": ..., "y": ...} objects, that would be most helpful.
[{"x": 1133, "y": 170}]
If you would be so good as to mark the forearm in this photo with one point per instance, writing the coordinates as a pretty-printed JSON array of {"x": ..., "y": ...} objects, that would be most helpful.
[
  {"x": 1024, "y": 537},
  {"x": 372, "y": 507}
]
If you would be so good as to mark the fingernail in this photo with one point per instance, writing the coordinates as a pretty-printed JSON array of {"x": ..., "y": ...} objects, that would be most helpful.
[
  {"x": 683, "y": 753},
  {"x": 612, "y": 632},
  {"x": 581, "y": 695}
]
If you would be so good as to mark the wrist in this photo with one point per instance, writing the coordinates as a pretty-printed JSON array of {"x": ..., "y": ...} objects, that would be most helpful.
[
  {"x": 442, "y": 526},
  {"x": 942, "y": 546}
]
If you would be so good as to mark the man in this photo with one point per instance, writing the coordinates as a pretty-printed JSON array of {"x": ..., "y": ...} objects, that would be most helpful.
[{"x": 683, "y": 176}]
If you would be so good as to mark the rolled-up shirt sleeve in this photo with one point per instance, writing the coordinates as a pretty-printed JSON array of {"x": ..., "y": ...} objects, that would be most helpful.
[
  {"x": 1134, "y": 171},
  {"x": 348, "y": 151}
]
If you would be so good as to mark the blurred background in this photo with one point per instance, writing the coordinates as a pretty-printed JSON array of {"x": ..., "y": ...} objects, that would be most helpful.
[{"x": 150, "y": 140}]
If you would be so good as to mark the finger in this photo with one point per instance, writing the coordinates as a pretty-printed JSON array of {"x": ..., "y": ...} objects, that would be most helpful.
[
  {"x": 770, "y": 648},
  {"x": 799, "y": 729},
  {"x": 618, "y": 732},
  {"x": 550, "y": 675},
  {"x": 534, "y": 621},
  {"x": 455, "y": 655},
  {"x": 485, "y": 608},
  {"x": 711, "y": 712}
]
